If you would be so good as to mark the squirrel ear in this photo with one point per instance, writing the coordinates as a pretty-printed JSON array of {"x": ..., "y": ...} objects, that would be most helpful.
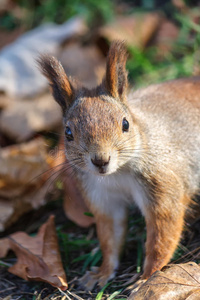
[
  {"x": 116, "y": 75},
  {"x": 62, "y": 89}
]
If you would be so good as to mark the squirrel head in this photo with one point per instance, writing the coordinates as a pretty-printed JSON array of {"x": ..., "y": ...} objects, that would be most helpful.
[{"x": 100, "y": 131}]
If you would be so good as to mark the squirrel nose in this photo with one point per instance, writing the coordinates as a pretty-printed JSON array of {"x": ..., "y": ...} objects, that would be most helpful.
[{"x": 100, "y": 161}]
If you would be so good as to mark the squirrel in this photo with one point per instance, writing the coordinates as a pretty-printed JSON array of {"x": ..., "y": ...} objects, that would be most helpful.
[{"x": 141, "y": 147}]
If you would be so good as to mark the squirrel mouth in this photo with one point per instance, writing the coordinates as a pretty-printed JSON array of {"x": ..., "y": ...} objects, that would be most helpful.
[{"x": 102, "y": 170}]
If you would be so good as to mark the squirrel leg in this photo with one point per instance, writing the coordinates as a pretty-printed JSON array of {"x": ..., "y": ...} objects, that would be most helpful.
[
  {"x": 163, "y": 233},
  {"x": 111, "y": 231}
]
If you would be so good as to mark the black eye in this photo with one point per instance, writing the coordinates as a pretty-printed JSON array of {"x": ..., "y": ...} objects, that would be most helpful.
[
  {"x": 68, "y": 134},
  {"x": 125, "y": 125}
]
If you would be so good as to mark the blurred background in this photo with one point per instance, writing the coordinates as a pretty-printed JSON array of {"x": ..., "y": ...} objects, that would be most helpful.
[{"x": 162, "y": 39}]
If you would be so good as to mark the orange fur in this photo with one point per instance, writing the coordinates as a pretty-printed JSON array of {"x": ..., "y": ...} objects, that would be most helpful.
[{"x": 163, "y": 235}]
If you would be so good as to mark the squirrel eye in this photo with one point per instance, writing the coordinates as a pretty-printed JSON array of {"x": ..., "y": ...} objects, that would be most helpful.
[
  {"x": 68, "y": 134},
  {"x": 125, "y": 125}
]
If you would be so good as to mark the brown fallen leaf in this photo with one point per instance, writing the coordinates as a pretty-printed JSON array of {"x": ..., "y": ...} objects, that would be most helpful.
[
  {"x": 38, "y": 258},
  {"x": 174, "y": 282},
  {"x": 165, "y": 37},
  {"x": 23, "y": 179},
  {"x": 20, "y": 119},
  {"x": 27, "y": 176},
  {"x": 136, "y": 29}
]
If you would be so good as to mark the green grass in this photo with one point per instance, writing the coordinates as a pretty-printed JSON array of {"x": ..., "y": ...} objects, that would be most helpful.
[
  {"x": 147, "y": 66},
  {"x": 95, "y": 12}
]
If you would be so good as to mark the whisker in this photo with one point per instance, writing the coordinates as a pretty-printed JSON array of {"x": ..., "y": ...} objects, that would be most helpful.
[
  {"x": 66, "y": 169},
  {"x": 49, "y": 170}
]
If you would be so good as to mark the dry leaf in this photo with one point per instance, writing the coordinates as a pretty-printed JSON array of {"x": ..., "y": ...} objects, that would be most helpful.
[
  {"x": 165, "y": 37},
  {"x": 38, "y": 258},
  {"x": 27, "y": 175},
  {"x": 136, "y": 30},
  {"x": 175, "y": 282},
  {"x": 22, "y": 118},
  {"x": 22, "y": 179},
  {"x": 74, "y": 204}
]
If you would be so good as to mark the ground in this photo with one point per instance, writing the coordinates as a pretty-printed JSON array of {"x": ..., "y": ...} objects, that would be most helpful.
[{"x": 79, "y": 250}]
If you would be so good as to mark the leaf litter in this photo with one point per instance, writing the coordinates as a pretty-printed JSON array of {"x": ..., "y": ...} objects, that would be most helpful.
[{"x": 38, "y": 257}]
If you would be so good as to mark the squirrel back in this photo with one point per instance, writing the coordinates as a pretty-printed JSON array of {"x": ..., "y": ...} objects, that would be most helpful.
[{"x": 170, "y": 114}]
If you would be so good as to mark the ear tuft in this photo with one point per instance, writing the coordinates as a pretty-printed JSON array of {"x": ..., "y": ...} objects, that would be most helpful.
[
  {"x": 116, "y": 74},
  {"x": 62, "y": 89}
]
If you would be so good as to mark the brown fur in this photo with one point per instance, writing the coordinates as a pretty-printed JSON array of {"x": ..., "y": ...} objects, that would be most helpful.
[
  {"x": 61, "y": 87},
  {"x": 156, "y": 162},
  {"x": 116, "y": 75}
]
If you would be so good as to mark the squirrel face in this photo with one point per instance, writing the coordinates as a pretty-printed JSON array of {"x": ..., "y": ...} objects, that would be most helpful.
[
  {"x": 99, "y": 129},
  {"x": 98, "y": 132}
]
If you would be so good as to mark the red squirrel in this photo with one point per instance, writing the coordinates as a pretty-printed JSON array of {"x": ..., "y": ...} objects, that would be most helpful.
[{"x": 141, "y": 147}]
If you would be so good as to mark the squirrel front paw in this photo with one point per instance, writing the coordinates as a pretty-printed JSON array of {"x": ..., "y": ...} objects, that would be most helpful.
[{"x": 95, "y": 276}]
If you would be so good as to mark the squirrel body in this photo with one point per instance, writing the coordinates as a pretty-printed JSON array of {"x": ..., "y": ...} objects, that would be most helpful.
[{"x": 144, "y": 149}]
